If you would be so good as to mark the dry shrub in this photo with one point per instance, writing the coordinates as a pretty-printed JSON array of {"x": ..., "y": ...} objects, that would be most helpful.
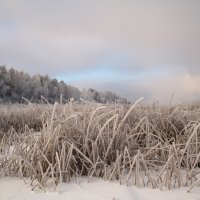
[{"x": 142, "y": 145}]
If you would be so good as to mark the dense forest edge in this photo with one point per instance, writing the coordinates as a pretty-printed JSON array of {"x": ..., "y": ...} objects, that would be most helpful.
[{"x": 20, "y": 87}]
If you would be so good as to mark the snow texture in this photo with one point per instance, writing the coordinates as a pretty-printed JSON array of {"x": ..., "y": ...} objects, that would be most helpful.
[{"x": 97, "y": 189}]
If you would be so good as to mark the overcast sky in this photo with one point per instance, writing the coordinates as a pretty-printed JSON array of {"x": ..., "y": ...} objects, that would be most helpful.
[{"x": 135, "y": 48}]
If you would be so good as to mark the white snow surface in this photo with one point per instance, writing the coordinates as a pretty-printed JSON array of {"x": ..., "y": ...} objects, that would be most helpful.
[{"x": 97, "y": 189}]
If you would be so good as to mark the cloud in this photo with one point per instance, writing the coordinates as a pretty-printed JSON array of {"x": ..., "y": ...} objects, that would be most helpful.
[
  {"x": 183, "y": 87},
  {"x": 147, "y": 42}
]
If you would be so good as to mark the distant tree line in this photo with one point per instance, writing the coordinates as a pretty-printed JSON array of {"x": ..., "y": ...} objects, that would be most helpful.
[
  {"x": 15, "y": 86},
  {"x": 102, "y": 97}
]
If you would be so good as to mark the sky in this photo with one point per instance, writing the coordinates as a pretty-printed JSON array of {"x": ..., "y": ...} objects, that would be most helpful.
[{"x": 148, "y": 48}]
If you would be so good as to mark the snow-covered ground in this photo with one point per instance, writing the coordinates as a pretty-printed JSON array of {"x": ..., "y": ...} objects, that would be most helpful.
[{"x": 15, "y": 189}]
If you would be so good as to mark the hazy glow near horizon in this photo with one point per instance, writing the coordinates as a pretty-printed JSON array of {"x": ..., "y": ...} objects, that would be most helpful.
[{"x": 134, "y": 48}]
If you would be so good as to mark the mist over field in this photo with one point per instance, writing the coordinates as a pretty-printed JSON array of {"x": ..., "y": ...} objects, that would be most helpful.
[{"x": 132, "y": 48}]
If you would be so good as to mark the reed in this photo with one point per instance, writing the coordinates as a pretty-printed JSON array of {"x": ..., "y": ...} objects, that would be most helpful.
[{"x": 142, "y": 145}]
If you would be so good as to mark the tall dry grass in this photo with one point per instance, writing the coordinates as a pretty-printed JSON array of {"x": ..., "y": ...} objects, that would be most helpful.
[{"x": 157, "y": 146}]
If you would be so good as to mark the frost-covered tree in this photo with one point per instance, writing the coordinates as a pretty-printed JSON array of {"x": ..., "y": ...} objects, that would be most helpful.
[{"x": 16, "y": 84}]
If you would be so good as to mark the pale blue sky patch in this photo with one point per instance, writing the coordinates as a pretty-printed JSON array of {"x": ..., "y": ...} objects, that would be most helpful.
[{"x": 101, "y": 74}]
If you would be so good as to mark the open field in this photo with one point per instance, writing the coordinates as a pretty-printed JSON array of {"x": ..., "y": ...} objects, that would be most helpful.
[{"x": 152, "y": 146}]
